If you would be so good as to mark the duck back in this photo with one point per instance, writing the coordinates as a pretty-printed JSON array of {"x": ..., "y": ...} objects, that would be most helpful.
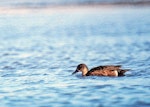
[{"x": 108, "y": 70}]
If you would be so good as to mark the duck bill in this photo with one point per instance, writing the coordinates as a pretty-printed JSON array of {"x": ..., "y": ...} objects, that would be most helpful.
[{"x": 75, "y": 72}]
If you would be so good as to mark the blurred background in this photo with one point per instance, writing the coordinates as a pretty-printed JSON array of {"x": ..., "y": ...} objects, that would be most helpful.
[{"x": 45, "y": 3}]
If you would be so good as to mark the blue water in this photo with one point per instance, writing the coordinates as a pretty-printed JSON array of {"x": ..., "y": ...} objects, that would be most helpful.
[{"x": 38, "y": 53}]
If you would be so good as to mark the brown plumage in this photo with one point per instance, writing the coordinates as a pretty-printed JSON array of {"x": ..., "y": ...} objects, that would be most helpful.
[{"x": 108, "y": 70}]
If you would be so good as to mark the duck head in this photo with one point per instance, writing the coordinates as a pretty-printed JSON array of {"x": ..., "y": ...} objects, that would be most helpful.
[{"x": 81, "y": 68}]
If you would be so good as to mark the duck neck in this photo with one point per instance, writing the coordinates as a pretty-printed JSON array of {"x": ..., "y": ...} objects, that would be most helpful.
[{"x": 85, "y": 71}]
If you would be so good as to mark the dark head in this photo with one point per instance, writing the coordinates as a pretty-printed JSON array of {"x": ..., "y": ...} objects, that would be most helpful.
[{"x": 81, "y": 68}]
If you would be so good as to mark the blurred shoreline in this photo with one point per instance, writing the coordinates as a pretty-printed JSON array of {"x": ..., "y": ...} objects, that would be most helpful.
[{"x": 48, "y": 9}]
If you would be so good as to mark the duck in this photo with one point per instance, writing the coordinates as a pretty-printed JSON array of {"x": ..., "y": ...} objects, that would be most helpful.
[{"x": 106, "y": 70}]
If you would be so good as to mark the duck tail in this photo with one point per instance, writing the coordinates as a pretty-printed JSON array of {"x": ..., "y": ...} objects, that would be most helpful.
[{"x": 122, "y": 71}]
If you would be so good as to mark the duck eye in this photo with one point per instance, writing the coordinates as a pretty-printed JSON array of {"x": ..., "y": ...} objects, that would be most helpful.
[{"x": 79, "y": 67}]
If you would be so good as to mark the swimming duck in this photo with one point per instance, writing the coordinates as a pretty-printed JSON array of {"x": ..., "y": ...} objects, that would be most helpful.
[{"x": 107, "y": 70}]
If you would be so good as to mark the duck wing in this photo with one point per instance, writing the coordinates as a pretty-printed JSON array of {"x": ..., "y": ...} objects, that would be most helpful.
[
  {"x": 112, "y": 67},
  {"x": 103, "y": 70}
]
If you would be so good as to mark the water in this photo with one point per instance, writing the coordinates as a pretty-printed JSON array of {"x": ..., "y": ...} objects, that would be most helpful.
[{"x": 40, "y": 51}]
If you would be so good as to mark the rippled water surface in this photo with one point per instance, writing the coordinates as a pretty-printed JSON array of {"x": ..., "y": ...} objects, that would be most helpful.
[{"x": 38, "y": 53}]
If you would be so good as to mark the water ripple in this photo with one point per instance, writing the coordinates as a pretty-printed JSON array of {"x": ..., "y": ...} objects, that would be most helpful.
[{"x": 40, "y": 52}]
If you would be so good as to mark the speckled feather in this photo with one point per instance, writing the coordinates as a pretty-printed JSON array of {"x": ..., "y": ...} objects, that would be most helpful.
[{"x": 107, "y": 70}]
